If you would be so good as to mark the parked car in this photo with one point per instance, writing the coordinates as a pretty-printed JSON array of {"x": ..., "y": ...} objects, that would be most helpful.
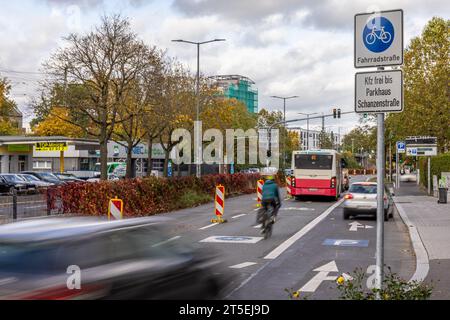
[
  {"x": 45, "y": 176},
  {"x": 120, "y": 260},
  {"x": 6, "y": 188},
  {"x": 67, "y": 177},
  {"x": 111, "y": 177},
  {"x": 36, "y": 181},
  {"x": 362, "y": 200},
  {"x": 20, "y": 185}
]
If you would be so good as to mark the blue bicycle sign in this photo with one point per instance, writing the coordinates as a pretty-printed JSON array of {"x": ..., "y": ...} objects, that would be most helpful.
[{"x": 378, "y": 34}]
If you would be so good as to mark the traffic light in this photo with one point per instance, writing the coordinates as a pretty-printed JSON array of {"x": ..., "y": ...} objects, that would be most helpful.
[
  {"x": 339, "y": 113},
  {"x": 335, "y": 113}
]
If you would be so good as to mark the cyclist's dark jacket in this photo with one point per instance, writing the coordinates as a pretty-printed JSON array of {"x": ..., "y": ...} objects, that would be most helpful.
[{"x": 270, "y": 191}]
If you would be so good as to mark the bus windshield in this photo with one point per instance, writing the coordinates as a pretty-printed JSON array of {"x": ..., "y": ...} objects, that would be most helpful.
[{"x": 313, "y": 162}]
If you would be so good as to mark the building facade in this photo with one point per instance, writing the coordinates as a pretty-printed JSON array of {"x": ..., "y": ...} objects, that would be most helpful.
[
  {"x": 314, "y": 139},
  {"x": 240, "y": 88}
]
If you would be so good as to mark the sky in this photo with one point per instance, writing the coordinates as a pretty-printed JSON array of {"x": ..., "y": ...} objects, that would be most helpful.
[{"x": 287, "y": 47}]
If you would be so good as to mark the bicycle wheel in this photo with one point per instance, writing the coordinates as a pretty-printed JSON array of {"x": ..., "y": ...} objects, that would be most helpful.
[
  {"x": 371, "y": 38},
  {"x": 386, "y": 38}
]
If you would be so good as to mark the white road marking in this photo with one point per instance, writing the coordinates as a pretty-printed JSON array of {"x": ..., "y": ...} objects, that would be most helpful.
[
  {"x": 289, "y": 242},
  {"x": 233, "y": 239},
  {"x": 167, "y": 241},
  {"x": 243, "y": 265},
  {"x": 258, "y": 226},
  {"x": 299, "y": 209},
  {"x": 316, "y": 281},
  {"x": 355, "y": 225},
  {"x": 211, "y": 225},
  {"x": 238, "y": 216},
  {"x": 369, "y": 227}
]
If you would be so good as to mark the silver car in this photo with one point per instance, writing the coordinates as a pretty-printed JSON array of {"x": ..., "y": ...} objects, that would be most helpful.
[{"x": 361, "y": 199}]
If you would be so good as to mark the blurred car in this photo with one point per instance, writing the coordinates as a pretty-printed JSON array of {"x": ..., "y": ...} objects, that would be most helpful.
[
  {"x": 362, "y": 200},
  {"x": 45, "y": 176},
  {"x": 408, "y": 177},
  {"x": 20, "y": 185},
  {"x": 36, "y": 181},
  {"x": 118, "y": 260},
  {"x": 111, "y": 177},
  {"x": 67, "y": 177},
  {"x": 288, "y": 172}
]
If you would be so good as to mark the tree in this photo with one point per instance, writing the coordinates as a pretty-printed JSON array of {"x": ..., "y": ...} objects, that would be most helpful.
[
  {"x": 57, "y": 124},
  {"x": 103, "y": 64},
  {"x": 426, "y": 87},
  {"x": 8, "y": 110},
  {"x": 325, "y": 140}
]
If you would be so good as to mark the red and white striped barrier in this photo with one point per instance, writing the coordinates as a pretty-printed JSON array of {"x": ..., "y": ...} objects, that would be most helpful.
[
  {"x": 288, "y": 187},
  {"x": 115, "y": 209},
  {"x": 259, "y": 188},
  {"x": 219, "y": 204}
]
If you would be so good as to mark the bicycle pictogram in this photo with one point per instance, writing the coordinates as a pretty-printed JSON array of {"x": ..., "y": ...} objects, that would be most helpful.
[
  {"x": 378, "y": 34},
  {"x": 382, "y": 35}
]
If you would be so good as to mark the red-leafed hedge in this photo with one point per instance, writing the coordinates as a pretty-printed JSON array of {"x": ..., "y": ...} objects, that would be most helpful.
[{"x": 144, "y": 197}]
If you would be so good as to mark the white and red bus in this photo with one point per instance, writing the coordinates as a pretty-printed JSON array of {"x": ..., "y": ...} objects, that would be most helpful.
[{"x": 317, "y": 173}]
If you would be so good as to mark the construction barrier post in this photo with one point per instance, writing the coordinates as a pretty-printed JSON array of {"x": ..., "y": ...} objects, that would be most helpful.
[
  {"x": 288, "y": 187},
  {"x": 219, "y": 205},
  {"x": 259, "y": 188},
  {"x": 115, "y": 209}
]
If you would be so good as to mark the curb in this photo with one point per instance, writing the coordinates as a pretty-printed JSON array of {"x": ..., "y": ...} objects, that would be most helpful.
[{"x": 422, "y": 261}]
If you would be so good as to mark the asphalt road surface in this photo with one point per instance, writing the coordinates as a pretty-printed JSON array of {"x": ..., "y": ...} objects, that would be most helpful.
[{"x": 310, "y": 247}]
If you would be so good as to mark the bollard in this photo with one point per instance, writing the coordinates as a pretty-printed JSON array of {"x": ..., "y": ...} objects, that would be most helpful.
[
  {"x": 49, "y": 203},
  {"x": 219, "y": 205},
  {"x": 115, "y": 209},
  {"x": 259, "y": 188},
  {"x": 14, "y": 194}
]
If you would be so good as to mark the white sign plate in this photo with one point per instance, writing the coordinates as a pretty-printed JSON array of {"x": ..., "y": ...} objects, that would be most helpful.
[
  {"x": 379, "y": 39},
  {"x": 421, "y": 151},
  {"x": 379, "y": 91}
]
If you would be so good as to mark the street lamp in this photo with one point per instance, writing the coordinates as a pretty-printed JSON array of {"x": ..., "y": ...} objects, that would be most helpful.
[
  {"x": 197, "y": 153},
  {"x": 284, "y": 120},
  {"x": 307, "y": 127}
]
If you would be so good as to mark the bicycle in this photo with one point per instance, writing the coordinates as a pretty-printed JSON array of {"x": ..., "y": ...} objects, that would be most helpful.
[
  {"x": 384, "y": 36},
  {"x": 266, "y": 219}
]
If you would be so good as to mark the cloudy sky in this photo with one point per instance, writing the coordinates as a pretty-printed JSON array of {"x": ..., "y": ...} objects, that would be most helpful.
[{"x": 288, "y": 47}]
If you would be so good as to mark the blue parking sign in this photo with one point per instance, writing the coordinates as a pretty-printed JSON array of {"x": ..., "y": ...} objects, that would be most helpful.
[{"x": 401, "y": 147}]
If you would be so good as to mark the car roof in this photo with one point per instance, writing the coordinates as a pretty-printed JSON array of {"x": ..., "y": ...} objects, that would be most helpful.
[
  {"x": 59, "y": 229},
  {"x": 368, "y": 183}
]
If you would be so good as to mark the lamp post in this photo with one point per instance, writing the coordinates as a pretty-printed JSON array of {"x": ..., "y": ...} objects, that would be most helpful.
[
  {"x": 307, "y": 126},
  {"x": 198, "y": 138},
  {"x": 284, "y": 121}
]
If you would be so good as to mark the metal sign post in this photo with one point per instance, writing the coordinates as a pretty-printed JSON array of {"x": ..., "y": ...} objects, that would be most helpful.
[{"x": 379, "y": 43}]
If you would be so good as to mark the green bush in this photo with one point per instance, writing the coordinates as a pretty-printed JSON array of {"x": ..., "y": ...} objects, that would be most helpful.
[
  {"x": 192, "y": 198},
  {"x": 439, "y": 164}
]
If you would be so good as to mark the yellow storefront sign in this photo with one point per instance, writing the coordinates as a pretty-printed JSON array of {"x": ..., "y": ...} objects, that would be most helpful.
[{"x": 51, "y": 146}]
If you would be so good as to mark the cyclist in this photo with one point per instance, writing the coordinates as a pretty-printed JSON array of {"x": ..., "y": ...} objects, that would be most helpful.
[{"x": 271, "y": 196}]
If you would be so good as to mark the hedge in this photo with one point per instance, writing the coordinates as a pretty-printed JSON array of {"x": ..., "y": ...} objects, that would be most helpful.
[
  {"x": 145, "y": 196},
  {"x": 439, "y": 164}
]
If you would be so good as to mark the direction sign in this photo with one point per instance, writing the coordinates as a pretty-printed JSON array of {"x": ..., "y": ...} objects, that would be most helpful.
[
  {"x": 379, "y": 91},
  {"x": 379, "y": 39},
  {"x": 422, "y": 151},
  {"x": 401, "y": 147},
  {"x": 51, "y": 146},
  {"x": 411, "y": 152}
]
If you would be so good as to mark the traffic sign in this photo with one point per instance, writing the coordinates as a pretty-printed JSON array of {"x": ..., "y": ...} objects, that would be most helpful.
[
  {"x": 401, "y": 147},
  {"x": 115, "y": 209},
  {"x": 51, "y": 146},
  {"x": 422, "y": 151},
  {"x": 379, "y": 91},
  {"x": 411, "y": 152},
  {"x": 379, "y": 39}
]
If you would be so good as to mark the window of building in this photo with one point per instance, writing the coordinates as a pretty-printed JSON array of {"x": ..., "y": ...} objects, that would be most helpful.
[{"x": 42, "y": 164}]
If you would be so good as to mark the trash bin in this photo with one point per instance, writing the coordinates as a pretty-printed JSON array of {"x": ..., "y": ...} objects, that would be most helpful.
[{"x": 442, "y": 195}]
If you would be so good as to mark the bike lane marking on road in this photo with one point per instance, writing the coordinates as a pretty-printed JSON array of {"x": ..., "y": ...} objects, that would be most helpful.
[
  {"x": 239, "y": 216},
  {"x": 243, "y": 265},
  {"x": 208, "y": 226},
  {"x": 233, "y": 239},
  {"x": 289, "y": 242}
]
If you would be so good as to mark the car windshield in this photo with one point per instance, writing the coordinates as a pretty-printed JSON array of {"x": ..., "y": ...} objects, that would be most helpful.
[
  {"x": 48, "y": 176},
  {"x": 366, "y": 189},
  {"x": 25, "y": 259},
  {"x": 29, "y": 177},
  {"x": 10, "y": 178}
]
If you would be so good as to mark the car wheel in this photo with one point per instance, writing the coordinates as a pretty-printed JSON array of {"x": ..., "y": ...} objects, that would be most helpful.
[{"x": 346, "y": 215}]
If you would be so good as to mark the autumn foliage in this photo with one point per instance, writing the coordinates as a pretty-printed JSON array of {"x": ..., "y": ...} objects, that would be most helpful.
[{"x": 145, "y": 197}]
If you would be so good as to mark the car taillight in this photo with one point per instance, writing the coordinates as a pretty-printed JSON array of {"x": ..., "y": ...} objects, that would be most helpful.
[
  {"x": 293, "y": 182},
  {"x": 348, "y": 196},
  {"x": 333, "y": 182}
]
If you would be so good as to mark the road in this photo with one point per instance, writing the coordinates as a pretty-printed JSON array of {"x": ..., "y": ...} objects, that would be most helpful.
[{"x": 310, "y": 247}]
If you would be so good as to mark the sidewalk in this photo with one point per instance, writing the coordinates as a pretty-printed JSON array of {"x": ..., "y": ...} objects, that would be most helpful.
[{"x": 429, "y": 226}]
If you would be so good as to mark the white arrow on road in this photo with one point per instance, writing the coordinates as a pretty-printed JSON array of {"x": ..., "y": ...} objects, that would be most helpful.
[
  {"x": 354, "y": 226},
  {"x": 322, "y": 276}
]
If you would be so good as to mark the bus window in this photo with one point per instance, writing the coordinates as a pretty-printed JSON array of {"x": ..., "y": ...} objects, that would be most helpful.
[{"x": 313, "y": 162}]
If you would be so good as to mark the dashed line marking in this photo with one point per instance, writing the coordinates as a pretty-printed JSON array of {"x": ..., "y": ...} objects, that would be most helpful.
[
  {"x": 211, "y": 225},
  {"x": 167, "y": 241},
  {"x": 238, "y": 216},
  {"x": 243, "y": 265}
]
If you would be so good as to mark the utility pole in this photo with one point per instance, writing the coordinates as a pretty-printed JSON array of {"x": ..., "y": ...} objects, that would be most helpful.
[{"x": 307, "y": 126}]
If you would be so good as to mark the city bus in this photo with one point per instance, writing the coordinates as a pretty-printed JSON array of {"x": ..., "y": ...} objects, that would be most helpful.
[{"x": 317, "y": 173}]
